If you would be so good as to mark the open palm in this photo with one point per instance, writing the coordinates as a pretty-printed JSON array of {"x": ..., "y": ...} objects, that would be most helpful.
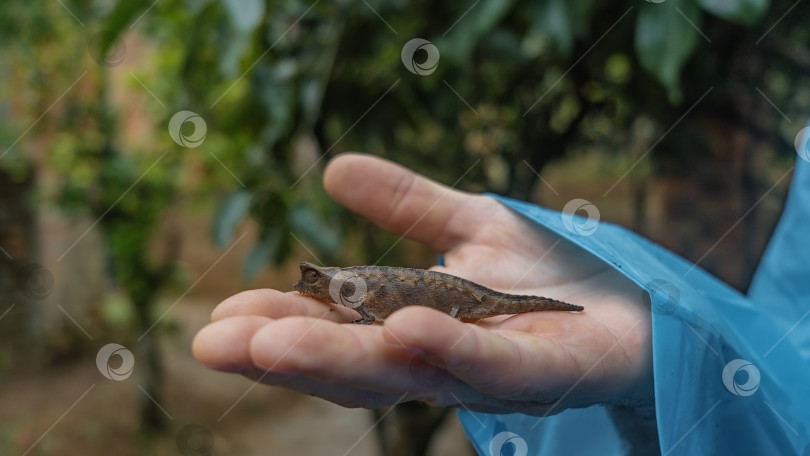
[{"x": 537, "y": 363}]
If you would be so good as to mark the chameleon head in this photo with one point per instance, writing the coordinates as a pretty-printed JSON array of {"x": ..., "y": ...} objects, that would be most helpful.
[
  {"x": 314, "y": 282},
  {"x": 333, "y": 285}
]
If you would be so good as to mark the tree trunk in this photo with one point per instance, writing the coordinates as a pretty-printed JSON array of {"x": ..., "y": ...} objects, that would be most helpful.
[
  {"x": 22, "y": 288},
  {"x": 151, "y": 370},
  {"x": 407, "y": 430}
]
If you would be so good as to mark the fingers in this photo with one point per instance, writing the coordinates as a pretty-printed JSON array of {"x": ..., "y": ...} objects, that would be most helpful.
[
  {"x": 347, "y": 364},
  {"x": 329, "y": 352},
  {"x": 508, "y": 366},
  {"x": 276, "y": 304},
  {"x": 403, "y": 202},
  {"x": 225, "y": 345},
  {"x": 350, "y": 365},
  {"x": 337, "y": 358},
  {"x": 317, "y": 348}
]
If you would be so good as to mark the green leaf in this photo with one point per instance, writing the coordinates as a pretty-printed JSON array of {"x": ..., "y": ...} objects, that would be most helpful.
[
  {"x": 119, "y": 19},
  {"x": 742, "y": 11},
  {"x": 231, "y": 212},
  {"x": 563, "y": 20},
  {"x": 314, "y": 231},
  {"x": 476, "y": 24},
  {"x": 261, "y": 254},
  {"x": 245, "y": 15},
  {"x": 665, "y": 40}
]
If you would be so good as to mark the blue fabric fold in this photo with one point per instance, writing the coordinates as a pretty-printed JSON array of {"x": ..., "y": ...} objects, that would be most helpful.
[{"x": 732, "y": 372}]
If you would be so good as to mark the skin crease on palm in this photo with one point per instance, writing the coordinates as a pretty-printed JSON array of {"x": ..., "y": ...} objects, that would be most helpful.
[{"x": 537, "y": 363}]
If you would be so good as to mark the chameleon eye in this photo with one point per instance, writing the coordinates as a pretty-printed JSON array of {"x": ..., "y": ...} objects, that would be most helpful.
[{"x": 311, "y": 276}]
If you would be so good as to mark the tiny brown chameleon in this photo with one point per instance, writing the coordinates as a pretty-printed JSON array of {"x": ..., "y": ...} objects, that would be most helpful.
[{"x": 377, "y": 291}]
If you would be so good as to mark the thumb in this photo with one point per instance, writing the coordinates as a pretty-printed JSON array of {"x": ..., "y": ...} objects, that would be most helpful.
[{"x": 402, "y": 201}]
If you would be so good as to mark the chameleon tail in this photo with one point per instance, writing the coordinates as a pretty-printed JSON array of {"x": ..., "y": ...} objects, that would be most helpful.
[{"x": 511, "y": 304}]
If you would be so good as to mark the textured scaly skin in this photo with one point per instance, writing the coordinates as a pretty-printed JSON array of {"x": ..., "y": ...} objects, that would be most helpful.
[{"x": 387, "y": 289}]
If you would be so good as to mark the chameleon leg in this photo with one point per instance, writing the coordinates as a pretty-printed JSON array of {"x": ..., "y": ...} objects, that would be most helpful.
[
  {"x": 454, "y": 312},
  {"x": 366, "y": 318}
]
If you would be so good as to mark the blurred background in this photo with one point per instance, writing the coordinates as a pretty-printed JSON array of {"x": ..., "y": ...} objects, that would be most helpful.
[{"x": 159, "y": 156}]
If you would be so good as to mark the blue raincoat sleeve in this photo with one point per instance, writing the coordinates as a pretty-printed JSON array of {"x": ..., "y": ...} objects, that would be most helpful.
[{"x": 732, "y": 372}]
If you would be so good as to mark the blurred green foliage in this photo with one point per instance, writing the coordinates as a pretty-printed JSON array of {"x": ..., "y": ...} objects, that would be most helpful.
[
  {"x": 283, "y": 85},
  {"x": 290, "y": 82}
]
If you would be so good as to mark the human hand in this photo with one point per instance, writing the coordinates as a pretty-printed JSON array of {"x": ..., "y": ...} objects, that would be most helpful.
[{"x": 537, "y": 363}]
